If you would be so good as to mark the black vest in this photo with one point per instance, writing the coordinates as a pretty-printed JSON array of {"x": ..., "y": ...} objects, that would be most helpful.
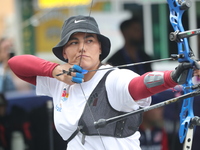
[{"x": 98, "y": 107}]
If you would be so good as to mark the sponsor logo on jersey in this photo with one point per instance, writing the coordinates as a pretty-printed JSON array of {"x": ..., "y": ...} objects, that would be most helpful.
[{"x": 64, "y": 97}]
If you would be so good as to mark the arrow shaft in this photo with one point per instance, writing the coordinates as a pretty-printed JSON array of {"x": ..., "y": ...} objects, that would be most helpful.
[{"x": 132, "y": 64}]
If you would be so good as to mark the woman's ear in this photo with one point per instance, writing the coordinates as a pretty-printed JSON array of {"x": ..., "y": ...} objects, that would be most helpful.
[
  {"x": 64, "y": 54},
  {"x": 100, "y": 51}
]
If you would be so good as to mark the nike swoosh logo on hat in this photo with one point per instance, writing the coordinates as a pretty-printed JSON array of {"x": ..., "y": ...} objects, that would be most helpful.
[{"x": 77, "y": 21}]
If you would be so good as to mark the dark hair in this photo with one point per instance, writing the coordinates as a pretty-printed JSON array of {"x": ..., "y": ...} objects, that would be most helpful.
[{"x": 127, "y": 23}]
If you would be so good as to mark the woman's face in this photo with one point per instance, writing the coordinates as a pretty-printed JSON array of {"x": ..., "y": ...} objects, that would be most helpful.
[{"x": 83, "y": 49}]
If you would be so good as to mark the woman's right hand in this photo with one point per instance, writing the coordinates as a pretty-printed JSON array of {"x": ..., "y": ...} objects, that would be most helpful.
[{"x": 69, "y": 74}]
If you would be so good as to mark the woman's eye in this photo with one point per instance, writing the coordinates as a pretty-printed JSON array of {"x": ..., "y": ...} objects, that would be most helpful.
[
  {"x": 89, "y": 41},
  {"x": 73, "y": 43}
]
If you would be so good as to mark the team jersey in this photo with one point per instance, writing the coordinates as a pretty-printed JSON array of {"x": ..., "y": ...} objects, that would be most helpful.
[{"x": 69, "y": 102}]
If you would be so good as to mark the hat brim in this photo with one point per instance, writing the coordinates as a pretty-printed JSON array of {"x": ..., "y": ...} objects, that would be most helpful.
[{"x": 105, "y": 44}]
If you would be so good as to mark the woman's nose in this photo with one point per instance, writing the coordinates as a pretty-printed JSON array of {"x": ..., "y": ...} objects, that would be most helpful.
[{"x": 82, "y": 48}]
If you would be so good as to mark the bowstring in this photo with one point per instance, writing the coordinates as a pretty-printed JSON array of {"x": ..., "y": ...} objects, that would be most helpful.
[{"x": 86, "y": 99}]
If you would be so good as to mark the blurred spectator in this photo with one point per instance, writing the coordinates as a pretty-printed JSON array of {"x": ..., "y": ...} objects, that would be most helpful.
[
  {"x": 14, "y": 127},
  {"x": 22, "y": 129},
  {"x": 8, "y": 81},
  {"x": 133, "y": 50},
  {"x": 153, "y": 134},
  {"x": 40, "y": 121}
]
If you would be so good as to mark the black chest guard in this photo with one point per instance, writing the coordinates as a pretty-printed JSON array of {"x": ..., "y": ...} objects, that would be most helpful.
[{"x": 98, "y": 107}]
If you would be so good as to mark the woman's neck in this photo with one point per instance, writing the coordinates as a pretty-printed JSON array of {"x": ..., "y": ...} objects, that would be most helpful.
[{"x": 89, "y": 75}]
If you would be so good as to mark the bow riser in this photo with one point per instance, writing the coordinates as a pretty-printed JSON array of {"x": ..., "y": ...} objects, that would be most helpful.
[{"x": 177, "y": 8}]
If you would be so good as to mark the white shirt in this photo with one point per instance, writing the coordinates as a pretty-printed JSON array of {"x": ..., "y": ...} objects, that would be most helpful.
[{"x": 69, "y": 102}]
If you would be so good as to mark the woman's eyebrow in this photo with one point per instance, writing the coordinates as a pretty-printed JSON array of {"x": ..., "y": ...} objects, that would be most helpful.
[
  {"x": 89, "y": 35},
  {"x": 72, "y": 38}
]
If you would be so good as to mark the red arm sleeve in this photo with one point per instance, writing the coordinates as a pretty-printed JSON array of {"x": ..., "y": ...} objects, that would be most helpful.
[
  {"x": 27, "y": 67},
  {"x": 139, "y": 90}
]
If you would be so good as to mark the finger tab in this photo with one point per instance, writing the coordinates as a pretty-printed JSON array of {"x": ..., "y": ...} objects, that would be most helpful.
[
  {"x": 77, "y": 68},
  {"x": 79, "y": 75},
  {"x": 77, "y": 80}
]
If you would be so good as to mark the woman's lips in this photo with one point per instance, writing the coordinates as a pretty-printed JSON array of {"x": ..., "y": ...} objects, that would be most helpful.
[{"x": 81, "y": 56}]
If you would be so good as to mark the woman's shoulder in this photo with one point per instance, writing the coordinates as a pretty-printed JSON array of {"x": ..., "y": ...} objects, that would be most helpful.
[{"x": 119, "y": 77}]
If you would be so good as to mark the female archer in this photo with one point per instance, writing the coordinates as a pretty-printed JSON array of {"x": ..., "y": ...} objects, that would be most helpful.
[{"x": 92, "y": 94}]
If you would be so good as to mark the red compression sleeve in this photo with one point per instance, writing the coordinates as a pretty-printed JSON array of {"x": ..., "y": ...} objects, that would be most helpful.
[
  {"x": 27, "y": 67},
  {"x": 139, "y": 90}
]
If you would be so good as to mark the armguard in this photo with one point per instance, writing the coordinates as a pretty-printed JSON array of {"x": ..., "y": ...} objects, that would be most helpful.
[{"x": 153, "y": 79}]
